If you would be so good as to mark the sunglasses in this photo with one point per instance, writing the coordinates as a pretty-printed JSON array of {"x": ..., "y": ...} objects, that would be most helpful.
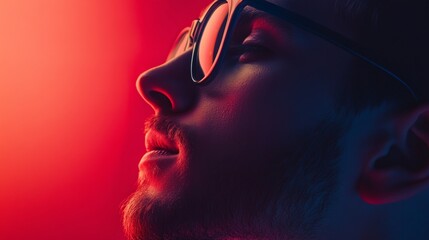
[{"x": 210, "y": 35}]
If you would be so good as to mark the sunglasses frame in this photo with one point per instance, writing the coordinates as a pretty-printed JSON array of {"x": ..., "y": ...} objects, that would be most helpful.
[{"x": 235, "y": 8}]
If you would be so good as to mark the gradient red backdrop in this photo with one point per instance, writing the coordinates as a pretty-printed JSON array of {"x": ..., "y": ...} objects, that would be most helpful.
[{"x": 71, "y": 121}]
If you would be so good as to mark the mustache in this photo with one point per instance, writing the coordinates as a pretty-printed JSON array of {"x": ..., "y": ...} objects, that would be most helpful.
[{"x": 165, "y": 126}]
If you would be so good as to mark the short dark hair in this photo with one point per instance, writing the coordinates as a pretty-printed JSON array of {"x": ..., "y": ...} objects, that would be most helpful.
[{"x": 397, "y": 31}]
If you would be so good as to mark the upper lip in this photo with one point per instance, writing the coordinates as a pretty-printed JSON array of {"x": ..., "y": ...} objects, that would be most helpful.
[{"x": 155, "y": 140}]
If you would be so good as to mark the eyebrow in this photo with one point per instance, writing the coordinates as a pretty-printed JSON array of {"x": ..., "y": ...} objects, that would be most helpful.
[{"x": 249, "y": 14}]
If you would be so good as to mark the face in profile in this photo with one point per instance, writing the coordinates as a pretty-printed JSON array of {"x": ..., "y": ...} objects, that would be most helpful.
[{"x": 248, "y": 144}]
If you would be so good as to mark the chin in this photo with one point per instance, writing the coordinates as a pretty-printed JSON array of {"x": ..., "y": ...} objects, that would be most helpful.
[{"x": 234, "y": 196}]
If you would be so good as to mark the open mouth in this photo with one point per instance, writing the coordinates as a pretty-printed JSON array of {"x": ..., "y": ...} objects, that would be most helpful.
[
  {"x": 161, "y": 153},
  {"x": 159, "y": 142}
]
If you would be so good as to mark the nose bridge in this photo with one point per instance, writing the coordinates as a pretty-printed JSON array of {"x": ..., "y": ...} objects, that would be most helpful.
[{"x": 168, "y": 88}]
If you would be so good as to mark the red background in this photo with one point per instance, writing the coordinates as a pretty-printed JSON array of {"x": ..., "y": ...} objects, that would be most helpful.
[{"x": 70, "y": 119}]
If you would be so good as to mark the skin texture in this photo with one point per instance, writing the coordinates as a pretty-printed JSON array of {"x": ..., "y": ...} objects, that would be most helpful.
[{"x": 263, "y": 150}]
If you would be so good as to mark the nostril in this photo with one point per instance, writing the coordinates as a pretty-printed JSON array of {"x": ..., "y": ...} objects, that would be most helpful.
[{"x": 163, "y": 102}]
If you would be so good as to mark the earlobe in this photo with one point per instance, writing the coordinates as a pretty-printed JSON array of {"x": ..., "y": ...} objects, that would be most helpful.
[{"x": 399, "y": 168}]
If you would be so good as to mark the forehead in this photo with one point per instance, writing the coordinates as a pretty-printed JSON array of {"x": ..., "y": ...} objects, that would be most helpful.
[
  {"x": 316, "y": 10},
  {"x": 324, "y": 12}
]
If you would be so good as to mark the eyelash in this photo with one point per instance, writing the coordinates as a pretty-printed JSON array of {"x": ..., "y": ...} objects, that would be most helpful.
[{"x": 248, "y": 52}]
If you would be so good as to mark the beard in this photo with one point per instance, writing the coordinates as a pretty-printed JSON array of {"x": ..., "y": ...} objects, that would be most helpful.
[{"x": 283, "y": 198}]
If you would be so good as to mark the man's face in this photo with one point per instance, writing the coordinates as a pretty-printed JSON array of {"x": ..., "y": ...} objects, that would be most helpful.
[{"x": 252, "y": 153}]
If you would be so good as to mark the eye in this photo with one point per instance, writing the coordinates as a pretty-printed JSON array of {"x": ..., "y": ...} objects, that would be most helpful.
[
  {"x": 247, "y": 52},
  {"x": 250, "y": 43}
]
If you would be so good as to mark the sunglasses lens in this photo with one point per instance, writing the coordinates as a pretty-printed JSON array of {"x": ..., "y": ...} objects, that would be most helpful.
[{"x": 209, "y": 46}]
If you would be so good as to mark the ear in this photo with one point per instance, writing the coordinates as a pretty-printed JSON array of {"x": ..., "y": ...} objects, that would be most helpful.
[{"x": 398, "y": 168}]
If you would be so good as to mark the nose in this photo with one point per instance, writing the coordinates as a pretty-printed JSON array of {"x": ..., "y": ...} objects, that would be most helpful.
[{"x": 168, "y": 88}]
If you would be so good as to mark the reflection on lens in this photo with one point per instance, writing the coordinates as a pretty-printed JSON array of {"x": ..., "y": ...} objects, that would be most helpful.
[{"x": 211, "y": 39}]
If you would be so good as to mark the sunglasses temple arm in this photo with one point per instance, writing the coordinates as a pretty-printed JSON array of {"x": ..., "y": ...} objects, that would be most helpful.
[{"x": 328, "y": 35}]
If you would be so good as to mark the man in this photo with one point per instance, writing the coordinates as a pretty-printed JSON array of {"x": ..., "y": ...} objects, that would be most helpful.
[{"x": 287, "y": 119}]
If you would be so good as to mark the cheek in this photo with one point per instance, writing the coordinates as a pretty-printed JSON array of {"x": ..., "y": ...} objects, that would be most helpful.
[
  {"x": 244, "y": 113},
  {"x": 255, "y": 110},
  {"x": 265, "y": 100}
]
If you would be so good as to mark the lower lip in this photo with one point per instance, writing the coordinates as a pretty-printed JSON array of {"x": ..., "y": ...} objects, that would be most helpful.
[{"x": 157, "y": 161}]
